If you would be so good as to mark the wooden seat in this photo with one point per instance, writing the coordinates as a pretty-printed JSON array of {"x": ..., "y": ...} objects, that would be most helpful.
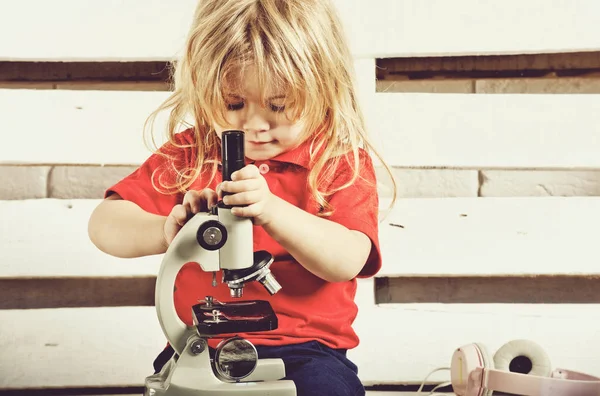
[{"x": 456, "y": 269}]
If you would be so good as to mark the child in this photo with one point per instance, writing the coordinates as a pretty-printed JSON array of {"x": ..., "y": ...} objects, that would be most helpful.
[{"x": 281, "y": 71}]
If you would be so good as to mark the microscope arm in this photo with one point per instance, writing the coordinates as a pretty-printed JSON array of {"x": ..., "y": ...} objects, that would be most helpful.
[
  {"x": 216, "y": 241},
  {"x": 185, "y": 248}
]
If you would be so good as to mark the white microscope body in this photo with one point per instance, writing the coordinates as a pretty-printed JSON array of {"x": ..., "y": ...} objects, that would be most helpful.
[{"x": 217, "y": 241}]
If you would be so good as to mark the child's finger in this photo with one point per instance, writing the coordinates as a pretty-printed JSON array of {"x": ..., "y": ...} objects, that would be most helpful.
[
  {"x": 220, "y": 190},
  {"x": 246, "y": 211},
  {"x": 191, "y": 201},
  {"x": 179, "y": 214},
  {"x": 208, "y": 198},
  {"x": 241, "y": 185},
  {"x": 199, "y": 201},
  {"x": 242, "y": 198},
  {"x": 247, "y": 172}
]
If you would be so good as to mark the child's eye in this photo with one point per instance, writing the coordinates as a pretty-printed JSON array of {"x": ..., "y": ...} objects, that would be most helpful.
[
  {"x": 277, "y": 109},
  {"x": 235, "y": 106}
]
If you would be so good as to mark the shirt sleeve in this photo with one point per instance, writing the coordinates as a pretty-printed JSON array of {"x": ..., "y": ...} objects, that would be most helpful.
[
  {"x": 139, "y": 187},
  {"x": 357, "y": 207}
]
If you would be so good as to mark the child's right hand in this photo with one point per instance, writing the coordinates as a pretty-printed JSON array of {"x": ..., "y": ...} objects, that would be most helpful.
[{"x": 193, "y": 202}]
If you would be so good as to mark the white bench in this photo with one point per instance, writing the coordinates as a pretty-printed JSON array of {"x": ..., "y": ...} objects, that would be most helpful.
[{"x": 450, "y": 263}]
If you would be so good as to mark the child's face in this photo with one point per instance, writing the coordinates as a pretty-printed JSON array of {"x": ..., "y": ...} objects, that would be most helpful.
[{"x": 268, "y": 131}]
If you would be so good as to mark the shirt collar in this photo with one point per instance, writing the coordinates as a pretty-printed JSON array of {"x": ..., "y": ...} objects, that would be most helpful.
[{"x": 300, "y": 155}]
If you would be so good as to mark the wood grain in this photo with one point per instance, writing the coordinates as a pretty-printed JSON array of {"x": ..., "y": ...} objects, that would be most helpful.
[
  {"x": 48, "y": 238},
  {"x": 435, "y": 237},
  {"x": 541, "y": 289},
  {"x": 76, "y": 292},
  {"x": 520, "y": 65},
  {"x": 82, "y": 71},
  {"x": 387, "y": 28},
  {"x": 561, "y": 64},
  {"x": 510, "y": 131},
  {"x": 399, "y": 343}
]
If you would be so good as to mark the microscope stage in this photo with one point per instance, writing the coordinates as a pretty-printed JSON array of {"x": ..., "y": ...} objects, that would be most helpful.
[{"x": 234, "y": 317}]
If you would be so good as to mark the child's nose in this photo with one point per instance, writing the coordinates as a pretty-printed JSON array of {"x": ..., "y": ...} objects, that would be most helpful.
[{"x": 255, "y": 121}]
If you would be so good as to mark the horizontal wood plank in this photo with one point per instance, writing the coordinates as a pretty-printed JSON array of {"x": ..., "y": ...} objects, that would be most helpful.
[
  {"x": 94, "y": 30},
  {"x": 81, "y": 347},
  {"x": 48, "y": 238},
  {"x": 402, "y": 343},
  {"x": 493, "y": 66},
  {"x": 102, "y": 30},
  {"x": 467, "y": 131},
  {"x": 76, "y": 127},
  {"x": 399, "y": 343},
  {"x": 75, "y": 292},
  {"x": 86, "y": 292},
  {"x": 154, "y": 71},
  {"x": 409, "y": 28},
  {"x": 437, "y": 237},
  {"x": 491, "y": 237},
  {"x": 533, "y": 289},
  {"x": 463, "y": 131}
]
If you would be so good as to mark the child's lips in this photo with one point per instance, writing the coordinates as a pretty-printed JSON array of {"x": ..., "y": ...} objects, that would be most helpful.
[{"x": 259, "y": 143}]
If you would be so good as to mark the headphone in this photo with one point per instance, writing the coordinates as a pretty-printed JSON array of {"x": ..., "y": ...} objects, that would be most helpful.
[{"x": 519, "y": 367}]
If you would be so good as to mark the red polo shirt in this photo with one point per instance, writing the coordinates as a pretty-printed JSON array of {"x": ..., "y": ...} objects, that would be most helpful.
[{"x": 308, "y": 308}]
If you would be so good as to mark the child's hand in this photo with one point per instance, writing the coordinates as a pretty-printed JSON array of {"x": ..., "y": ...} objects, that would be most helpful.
[
  {"x": 250, "y": 190},
  {"x": 193, "y": 202}
]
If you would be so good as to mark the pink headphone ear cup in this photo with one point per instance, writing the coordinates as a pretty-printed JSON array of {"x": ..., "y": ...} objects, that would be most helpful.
[
  {"x": 488, "y": 363},
  {"x": 464, "y": 360},
  {"x": 530, "y": 353}
]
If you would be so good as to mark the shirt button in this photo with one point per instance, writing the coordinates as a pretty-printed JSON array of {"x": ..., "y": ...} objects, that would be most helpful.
[{"x": 263, "y": 168}]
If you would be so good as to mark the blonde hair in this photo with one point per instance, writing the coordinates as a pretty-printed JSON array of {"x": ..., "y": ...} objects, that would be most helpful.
[{"x": 298, "y": 45}]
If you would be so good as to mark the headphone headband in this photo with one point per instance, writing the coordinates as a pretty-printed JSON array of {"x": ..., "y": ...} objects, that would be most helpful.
[
  {"x": 570, "y": 383},
  {"x": 474, "y": 373}
]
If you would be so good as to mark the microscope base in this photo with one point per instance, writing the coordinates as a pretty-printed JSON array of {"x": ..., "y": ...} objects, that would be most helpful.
[{"x": 193, "y": 375}]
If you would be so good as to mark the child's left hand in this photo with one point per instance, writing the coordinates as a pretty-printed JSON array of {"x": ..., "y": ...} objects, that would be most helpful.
[{"x": 248, "y": 188}]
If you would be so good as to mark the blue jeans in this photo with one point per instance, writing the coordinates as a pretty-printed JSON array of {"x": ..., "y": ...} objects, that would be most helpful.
[{"x": 316, "y": 369}]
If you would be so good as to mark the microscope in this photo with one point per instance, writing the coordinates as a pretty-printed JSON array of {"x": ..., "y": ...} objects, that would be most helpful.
[{"x": 218, "y": 240}]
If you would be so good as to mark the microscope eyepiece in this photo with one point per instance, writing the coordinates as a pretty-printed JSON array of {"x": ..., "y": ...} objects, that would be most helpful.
[{"x": 232, "y": 152}]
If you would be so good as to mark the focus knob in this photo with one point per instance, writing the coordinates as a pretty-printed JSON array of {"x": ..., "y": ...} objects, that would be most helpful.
[{"x": 211, "y": 235}]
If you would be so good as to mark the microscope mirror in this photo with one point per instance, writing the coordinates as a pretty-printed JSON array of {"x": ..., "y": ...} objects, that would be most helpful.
[{"x": 235, "y": 358}]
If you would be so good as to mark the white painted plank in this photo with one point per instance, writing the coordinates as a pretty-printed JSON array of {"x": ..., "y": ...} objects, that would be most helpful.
[
  {"x": 156, "y": 29},
  {"x": 413, "y": 130},
  {"x": 399, "y": 343},
  {"x": 366, "y": 81},
  {"x": 111, "y": 30},
  {"x": 48, "y": 237},
  {"x": 403, "y": 343},
  {"x": 487, "y": 131},
  {"x": 405, "y": 28},
  {"x": 76, "y": 127},
  {"x": 499, "y": 236},
  {"x": 78, "y": 347}
]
